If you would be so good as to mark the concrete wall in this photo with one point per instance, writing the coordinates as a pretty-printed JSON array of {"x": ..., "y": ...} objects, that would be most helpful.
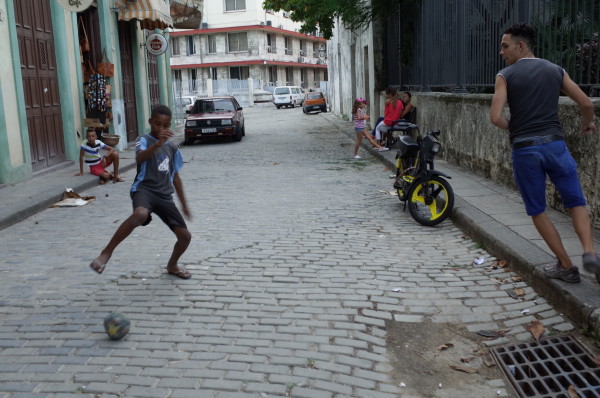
[{"x": 471, "y": 141}]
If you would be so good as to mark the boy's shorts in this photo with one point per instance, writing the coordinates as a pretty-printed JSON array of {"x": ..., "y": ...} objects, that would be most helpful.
[
  {"x": 531, "y": 165},
  {"x": 358, "y": 129},
  {"x": 100, "y": 168},
  {"x": 165, "y": 208}
]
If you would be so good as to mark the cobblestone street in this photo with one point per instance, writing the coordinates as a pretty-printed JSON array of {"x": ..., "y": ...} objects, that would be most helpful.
[{"x": 308, "y": 280}]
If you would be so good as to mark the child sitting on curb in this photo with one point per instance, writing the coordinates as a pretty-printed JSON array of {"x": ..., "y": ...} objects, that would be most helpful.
[{"x": 90, "y": 152}]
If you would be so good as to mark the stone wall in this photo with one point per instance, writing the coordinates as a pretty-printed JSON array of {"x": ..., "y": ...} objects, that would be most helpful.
[{"x": 471, "y": 141}]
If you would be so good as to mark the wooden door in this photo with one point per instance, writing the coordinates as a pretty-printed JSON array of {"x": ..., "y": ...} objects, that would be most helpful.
[
  {"x": 127, "y": 75},
  {"x": 40, "y": 82}
]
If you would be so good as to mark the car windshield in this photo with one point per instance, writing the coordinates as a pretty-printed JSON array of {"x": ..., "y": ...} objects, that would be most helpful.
[
  {"x": 210, "y": 106},
  {"x": 314, "y": 95},
  {"x": 281, "y": 91}
]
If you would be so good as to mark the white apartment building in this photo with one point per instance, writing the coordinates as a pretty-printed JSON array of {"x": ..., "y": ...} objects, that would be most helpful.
[{"x": 240, "y": 40}]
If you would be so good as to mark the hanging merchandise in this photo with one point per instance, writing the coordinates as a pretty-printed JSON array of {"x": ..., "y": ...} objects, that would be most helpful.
[
  {"x": 105, "y": 68},
  {"x": 96, "y": 95}
]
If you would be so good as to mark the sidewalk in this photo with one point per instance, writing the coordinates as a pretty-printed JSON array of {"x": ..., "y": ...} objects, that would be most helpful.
[{"x": 492, "y": 214}]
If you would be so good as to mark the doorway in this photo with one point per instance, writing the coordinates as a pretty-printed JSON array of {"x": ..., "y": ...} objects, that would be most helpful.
[
  {"x": 40, "y": 83},
  {"x": 127, "y": 75}
]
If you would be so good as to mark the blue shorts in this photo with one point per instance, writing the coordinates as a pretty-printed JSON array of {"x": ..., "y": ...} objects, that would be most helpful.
[
  {"x": 358, "y": 129},
  {"x": 531, "y": 165}
]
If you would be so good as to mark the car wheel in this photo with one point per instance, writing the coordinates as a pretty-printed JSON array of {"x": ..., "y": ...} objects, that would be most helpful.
[
  {"x": 304, "y": 110},
  {"x": 278, "y": 106},
  {"x": 238, "y": 135},
  {"x": 294, "y": 103},
  {"x": 324, "y": 109}
]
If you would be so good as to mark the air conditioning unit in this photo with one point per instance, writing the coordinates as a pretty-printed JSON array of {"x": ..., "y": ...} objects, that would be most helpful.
[
  {"x": 288, "y": 51},
  {"x": 301, "y": 59},
  {"x": 286, "y": 15},
  {"x": 204, "y": 25},
  {"x": 262, "y": 23},
  {"x": 302, "y": 52},
  {"x": 319, "y": 61},
  {"x": 269, "y": 49},
  {"x": 269, "y": 23},
  {"x": 280, "y": 26}
]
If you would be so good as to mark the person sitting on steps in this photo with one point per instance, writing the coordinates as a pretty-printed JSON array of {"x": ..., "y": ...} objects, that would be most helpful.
[{"x": 90, "y": 154}]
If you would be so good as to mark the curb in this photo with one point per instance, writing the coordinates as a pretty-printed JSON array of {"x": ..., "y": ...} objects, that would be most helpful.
[
  {"x": 44, "y": 200},
  {"x": 579, "y": 301}
]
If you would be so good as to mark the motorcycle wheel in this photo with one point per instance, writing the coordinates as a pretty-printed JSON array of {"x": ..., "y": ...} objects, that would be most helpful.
[{"x": 434, "y": 208}]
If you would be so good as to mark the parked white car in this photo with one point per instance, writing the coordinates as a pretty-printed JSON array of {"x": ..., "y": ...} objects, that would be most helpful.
[
  {"x": 288, "y": 96},
  {"x": 186, "y": 102}
]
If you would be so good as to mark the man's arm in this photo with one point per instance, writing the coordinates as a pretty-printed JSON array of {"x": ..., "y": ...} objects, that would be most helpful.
[
  {"x": 178, "y": 185},
  {"x": 586, "y": 107},
  {"x": 498, "y": 102}
]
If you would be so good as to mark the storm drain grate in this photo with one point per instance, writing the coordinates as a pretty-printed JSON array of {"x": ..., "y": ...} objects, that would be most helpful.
[{"x": 547, "y": 368}]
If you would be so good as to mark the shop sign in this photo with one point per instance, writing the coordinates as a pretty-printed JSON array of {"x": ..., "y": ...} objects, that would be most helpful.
[
  {"x": 75, "y": 5},
  {"x": 156, "y": 44}
]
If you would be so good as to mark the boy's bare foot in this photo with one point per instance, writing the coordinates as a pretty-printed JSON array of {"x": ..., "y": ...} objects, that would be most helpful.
[
  {"x": 102, "y": 181},
  {"x": 99, "y": 263},
  {"x": 118, "y": 179}
]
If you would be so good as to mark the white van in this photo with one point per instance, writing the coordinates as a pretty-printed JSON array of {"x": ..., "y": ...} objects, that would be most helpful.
[{"x": 288, "y": 96}]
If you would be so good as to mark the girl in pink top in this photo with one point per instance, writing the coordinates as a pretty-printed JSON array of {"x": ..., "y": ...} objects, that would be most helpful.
[{"x": 359, "y": 117}]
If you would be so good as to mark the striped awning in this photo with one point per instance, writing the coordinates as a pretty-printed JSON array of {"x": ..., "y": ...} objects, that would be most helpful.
[{"x": 152, "y": 14}]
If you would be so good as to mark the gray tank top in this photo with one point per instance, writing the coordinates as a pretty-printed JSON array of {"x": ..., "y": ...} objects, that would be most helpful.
[{"x": 533, "y": 87}]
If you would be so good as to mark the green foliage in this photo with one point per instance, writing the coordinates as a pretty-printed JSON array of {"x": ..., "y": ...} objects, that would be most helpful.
[
  {"x": 568, "y": 36},
  {"x": 322, "y": 14}
]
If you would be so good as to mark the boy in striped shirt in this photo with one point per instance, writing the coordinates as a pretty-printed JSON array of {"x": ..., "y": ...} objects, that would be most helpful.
[{"x": 90, "y": 154}]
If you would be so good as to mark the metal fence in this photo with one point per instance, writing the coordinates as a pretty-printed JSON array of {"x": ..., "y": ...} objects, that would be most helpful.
[{"x": 453, "y": 45}]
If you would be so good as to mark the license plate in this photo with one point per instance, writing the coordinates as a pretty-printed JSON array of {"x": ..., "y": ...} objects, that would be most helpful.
[
  {"x": 211, "y": 130},
  {"x": 281, "y": 98},
  {"x": 316, "y": 107}
]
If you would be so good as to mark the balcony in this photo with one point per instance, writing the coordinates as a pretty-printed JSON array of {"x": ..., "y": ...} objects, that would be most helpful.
[{"x": 186, "y": 14}]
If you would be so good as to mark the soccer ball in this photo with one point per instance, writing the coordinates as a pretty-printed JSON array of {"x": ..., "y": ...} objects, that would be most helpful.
[{"x": 116, "y": 325}]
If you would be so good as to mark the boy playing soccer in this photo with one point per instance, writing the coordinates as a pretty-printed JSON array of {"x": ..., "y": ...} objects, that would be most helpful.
[
  {"x": 158, "y": 164},
  {"x": 90, "y": 152}
]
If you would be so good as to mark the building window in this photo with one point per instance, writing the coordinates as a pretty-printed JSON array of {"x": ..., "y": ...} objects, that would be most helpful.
[
  {"x": 213, "y": 73},
  {"x": 175, "y": 45},
  {"x": 235, "y": 5},
  {"x": 191, "y": 47},
  {"x": 193, "y": 77},
  {"x": 212, "y": 44},
  {"x": 272, "y": 74},
  {"x": 289, "y": 75},
  {"x": 315, "y": 50},
  {"x": 177, "y": 78},
  {"x": 316, "y": 77},
  {"x": 239, "y": 72},
  {"x": 302, "y": 52},
  {"x": 288, "y": 45},
  {"x": 237, "y": 42}
]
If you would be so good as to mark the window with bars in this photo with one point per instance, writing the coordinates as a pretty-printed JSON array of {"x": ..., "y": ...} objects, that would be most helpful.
[
  {"x": 175, "y": 46},
  {"x": 191, "y": 47},
  {"x": 212, "y": 44},
  {"x": 213, "y": 73},
  {"x": 177, "y": 78},
  {"x": 237, "y": 42},
  {"x": 235, "y": 5},
  {"x": 193, "y": 78},
  {"x": 239, "y": 72},
  {"x": 272, "y": 74}
]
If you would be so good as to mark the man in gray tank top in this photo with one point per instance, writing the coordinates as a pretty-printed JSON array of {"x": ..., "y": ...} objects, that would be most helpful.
[{"x": 531, "y": 87}]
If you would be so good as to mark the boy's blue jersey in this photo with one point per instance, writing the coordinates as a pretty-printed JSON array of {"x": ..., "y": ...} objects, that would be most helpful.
[{"x": 156, "y": 174}]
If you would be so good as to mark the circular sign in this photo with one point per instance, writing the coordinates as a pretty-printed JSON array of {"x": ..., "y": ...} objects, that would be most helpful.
[
  {"x": 156, "y": 44},
  {"x": 75, "y": 5}
]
